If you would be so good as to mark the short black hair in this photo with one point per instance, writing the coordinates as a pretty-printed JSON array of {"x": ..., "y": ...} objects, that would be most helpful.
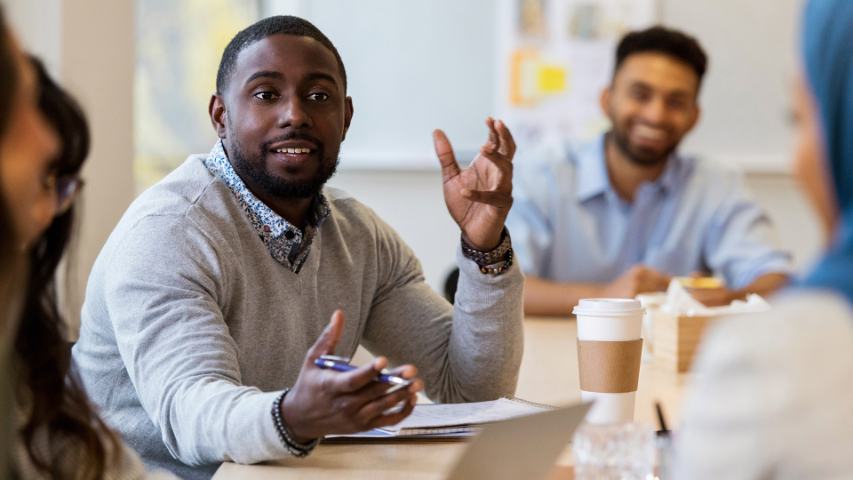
[
  {"x": 277, "y": 25},
  {"x": 659, "y": 39}
]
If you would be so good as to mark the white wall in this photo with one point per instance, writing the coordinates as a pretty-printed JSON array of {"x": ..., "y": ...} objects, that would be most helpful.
[
  {"x": 98, "y": 66},
  {"x": 752, "y": 49},
  {"x": 38, "y": 26},
  {"x": 412, "y": 67}
]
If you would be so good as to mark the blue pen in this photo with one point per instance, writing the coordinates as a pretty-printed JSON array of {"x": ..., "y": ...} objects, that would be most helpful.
[{"x": 341, "y": 364}]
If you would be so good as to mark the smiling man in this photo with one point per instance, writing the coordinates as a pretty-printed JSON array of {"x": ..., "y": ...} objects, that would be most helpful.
[
  {"x": 211, "y": 300},
  {"x": 622, "y": 215}
]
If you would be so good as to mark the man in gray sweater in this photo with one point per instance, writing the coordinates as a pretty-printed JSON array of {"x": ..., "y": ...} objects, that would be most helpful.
[{"x": 211, "y": 299}]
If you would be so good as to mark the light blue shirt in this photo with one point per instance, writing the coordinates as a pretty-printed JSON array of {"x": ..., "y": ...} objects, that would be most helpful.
[{"x": 568, "y": 224}]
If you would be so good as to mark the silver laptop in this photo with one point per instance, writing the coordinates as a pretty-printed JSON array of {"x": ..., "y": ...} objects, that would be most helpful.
[{"x": 524, "y": 447}]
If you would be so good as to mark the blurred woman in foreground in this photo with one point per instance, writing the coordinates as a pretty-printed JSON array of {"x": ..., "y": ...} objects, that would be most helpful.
[
  {"x": 773, "y": 396},
  {"x": 26, "y": 145},
  {"x": 44, "y": 140}
]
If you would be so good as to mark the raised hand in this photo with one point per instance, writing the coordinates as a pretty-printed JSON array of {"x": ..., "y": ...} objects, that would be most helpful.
[
  {"x": 322, "y": 402},
  {"x": 479, "y": 197}
]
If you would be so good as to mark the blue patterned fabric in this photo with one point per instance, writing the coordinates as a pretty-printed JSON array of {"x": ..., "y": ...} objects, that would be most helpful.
[
  {"x": 827, "y": 44},
  {"x": 286, "y": 243}
]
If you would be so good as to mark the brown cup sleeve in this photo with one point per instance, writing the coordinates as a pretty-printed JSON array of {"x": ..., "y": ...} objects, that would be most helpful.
[{"x": 609, "y": 367}]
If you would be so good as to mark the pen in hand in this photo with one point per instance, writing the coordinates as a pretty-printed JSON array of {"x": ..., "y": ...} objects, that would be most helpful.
[{"x": 341, "y": 364}]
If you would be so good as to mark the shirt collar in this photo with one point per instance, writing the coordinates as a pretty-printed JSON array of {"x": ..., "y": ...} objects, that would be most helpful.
[
  {"x": 594, "y": 180},
  {"x": 287, "y": 244}
]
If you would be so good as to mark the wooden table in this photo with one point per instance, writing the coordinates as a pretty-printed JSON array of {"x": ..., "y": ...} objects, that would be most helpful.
[{"x": 549, "y": 374}]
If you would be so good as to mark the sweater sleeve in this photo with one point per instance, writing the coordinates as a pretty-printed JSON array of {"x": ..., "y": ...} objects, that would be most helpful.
[
  {"x": 740, "y": 241},
  {"x": 165, "y": 289},
  {"x": 470, "y": 351}
]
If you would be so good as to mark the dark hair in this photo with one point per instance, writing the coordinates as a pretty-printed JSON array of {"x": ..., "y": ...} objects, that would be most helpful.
[
  {"x": 672, "y": 43},
  {"x": 45, "y": 378},
  {"x": 277, "y": 25}
]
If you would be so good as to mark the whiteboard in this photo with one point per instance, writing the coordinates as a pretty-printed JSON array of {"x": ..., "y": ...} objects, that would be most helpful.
[
  {"x": 415, "y": 66},
  {"x": 411, "y": 67}
]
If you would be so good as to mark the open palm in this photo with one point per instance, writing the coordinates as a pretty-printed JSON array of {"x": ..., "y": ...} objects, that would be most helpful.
[{"x": 480, "y": 196}]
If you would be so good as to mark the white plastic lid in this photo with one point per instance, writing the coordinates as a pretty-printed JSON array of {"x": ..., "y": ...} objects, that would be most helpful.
[{"x": 605, "y": 307}]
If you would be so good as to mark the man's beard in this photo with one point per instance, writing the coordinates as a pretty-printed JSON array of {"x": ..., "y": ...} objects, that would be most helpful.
[
  {"x": 639, "y": 156},
  {"x": 255, "y": 168}
]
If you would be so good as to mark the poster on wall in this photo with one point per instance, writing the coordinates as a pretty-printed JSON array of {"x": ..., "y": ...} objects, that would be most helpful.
[{"x": 555, "y": 57}]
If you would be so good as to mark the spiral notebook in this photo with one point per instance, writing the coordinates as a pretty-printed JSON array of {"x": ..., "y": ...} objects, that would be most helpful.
[{"x": 450, "y": 420}]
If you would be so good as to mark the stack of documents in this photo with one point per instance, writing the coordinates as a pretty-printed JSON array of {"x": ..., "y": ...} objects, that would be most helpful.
[{"x": 450, "y": 420}]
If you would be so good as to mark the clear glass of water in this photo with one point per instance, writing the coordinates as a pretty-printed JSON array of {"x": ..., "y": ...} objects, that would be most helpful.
[{"x": 621, "y": 451}]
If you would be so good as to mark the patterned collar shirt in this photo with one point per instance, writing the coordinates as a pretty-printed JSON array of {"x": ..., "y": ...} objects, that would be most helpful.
[{"x": 287, "y": 244}]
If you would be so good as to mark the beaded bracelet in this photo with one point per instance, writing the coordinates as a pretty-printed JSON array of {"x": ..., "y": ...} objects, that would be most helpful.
[
  {"x": 293, "y": 447},
  {"x": 495, "y": 261},
  {"x": 499, "y": 268}
]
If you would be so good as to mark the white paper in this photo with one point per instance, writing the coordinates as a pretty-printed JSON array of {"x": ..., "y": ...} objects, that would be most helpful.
[
  {"x": 680, "y": 302},
  {"x": 439, "y": 415}
]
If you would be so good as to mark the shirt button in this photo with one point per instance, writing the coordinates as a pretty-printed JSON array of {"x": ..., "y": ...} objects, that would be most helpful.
[{"x": 289, "y": 235}]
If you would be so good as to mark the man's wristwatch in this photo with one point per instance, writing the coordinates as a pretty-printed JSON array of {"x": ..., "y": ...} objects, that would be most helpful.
[{"x": 493, "y": 262}]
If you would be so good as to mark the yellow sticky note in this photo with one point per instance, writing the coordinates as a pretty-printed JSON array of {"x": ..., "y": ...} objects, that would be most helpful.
[{"x": 552, "y": 79}]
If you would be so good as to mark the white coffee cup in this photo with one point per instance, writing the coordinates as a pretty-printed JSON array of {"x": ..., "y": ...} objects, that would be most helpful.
[{"x": 609, "y": 352}]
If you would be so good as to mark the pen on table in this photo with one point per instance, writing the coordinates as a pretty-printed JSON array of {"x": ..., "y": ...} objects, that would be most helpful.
[
  {"x": 341, "y": 364},
  {"x": 664, "y": 431}
]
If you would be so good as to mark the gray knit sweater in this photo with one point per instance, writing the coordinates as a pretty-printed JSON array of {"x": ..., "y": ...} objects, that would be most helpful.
[{"x": 190, "y": 328}]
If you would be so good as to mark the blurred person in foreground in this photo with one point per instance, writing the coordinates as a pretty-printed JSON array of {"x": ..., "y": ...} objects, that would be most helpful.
[
  {"x": 772, "y": 396},
  {"x": 26, "y": 145},
  {"x": 55, "y": 432},
  {"x": 11, "y": 259},
  {"x": 622, "y": 215}
]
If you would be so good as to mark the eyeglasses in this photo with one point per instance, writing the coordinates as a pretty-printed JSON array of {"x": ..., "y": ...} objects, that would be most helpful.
[{"x": 66, "y": 187}]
